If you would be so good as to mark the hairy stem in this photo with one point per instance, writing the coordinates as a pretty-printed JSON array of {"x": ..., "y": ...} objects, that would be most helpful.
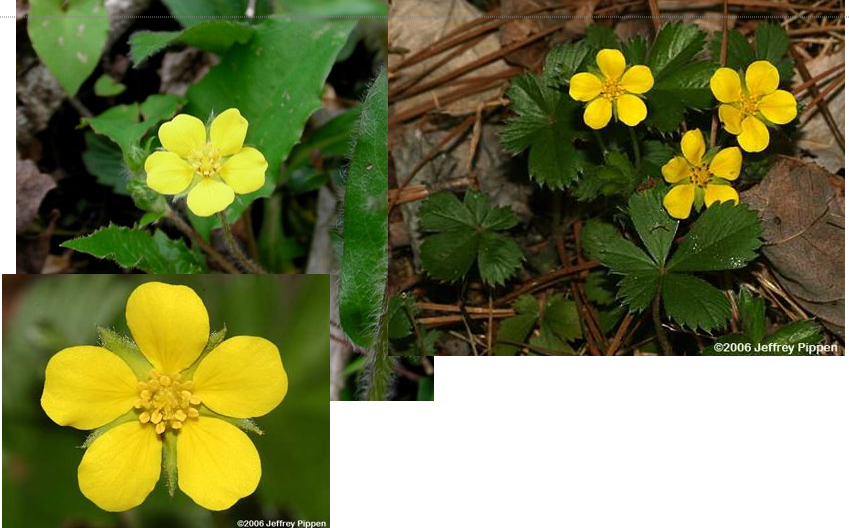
[
  {"x": 180, "y": 224},
  {"x": 636, "y": 145},
  {"x": 236, "y": 251},
  {"x": 381, "y": 364}
]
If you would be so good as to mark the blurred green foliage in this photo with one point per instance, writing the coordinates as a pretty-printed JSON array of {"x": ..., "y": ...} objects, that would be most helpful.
[{"x": 40, "y": 458}]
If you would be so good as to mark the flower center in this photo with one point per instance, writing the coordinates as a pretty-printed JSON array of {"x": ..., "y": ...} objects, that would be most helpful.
[
  {"x": 699, "y": 175},
  {"x": 749, "y": 105},
  {"x": 205, "y": 160},
  {"x": 166, "y": 401},
  {"x": 611, "y": 90}
]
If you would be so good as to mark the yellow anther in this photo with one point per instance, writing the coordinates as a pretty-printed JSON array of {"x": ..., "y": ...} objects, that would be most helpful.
[
  {"x": 166, "y": 401},
  {"x": 700, "y": 175}
]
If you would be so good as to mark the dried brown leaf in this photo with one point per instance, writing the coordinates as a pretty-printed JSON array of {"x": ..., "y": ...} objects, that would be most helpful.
[
  {"x": 804, "y": 236},
  {"x": 32, "y": 185}
]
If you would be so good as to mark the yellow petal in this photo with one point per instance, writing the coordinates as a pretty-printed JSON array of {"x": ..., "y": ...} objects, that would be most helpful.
[
  {"x": 726, "y": 164},
  {"x": 87, "y": 387},
  {"x": 675, "y": 170},
  {"x": 243, "y": 377},
  {"x": 779, "y": 107},
  {"x": 182, "y": 134},
  {"x": 584, "y": 87},
  {"x": 761, "y": 78},
  {"x": 720, "y": 193},
  {"x": 245, "y": 172},
  {"x": 217, "y": 464},
  {"x": 731, "y": 118},
  {"x": 679, "y": 200},
  {"x": 209, "y": 197},
  {"x": 168, "y": 173},
  {"x": 693, "y": 146},
  {"x": 228, "y": 131},
  {"x": 121, "y": 467},
  {"x": 725, "y": 85},
  {"x": 611, "y": 62},
  {"x": 637, "y": 79},
  {"x": 630, "y": 109},
  {"x": 754, "y": 137},
  {"x": 169, "y": 324},
  {"x": 597, "y": 114}
]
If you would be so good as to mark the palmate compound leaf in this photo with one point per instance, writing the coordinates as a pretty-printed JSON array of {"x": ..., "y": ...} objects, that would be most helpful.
[
  {"x": 558, "y": 323},
  {"x": 546, "y": 121},
  {"x": 464, "y": 232},
  {"x": 725, "y": 236}
]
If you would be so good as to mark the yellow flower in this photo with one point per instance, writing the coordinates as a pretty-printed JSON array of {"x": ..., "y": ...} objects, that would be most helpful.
[
  {"x": 613, "y": 91},
  {"x": 213, "y": 167},
  {"x": 748, "y": 107},
  {"x": 179, "y": 404},
  {"x": 696, "y": 179}
]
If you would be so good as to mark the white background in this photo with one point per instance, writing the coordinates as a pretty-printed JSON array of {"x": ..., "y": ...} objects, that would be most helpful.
[{"x": 694, "y": 442}]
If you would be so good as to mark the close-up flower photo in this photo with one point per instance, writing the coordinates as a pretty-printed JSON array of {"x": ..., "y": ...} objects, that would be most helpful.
[
  {"x": 187, "y": 400},
  {"x": 616, "y": 178}
]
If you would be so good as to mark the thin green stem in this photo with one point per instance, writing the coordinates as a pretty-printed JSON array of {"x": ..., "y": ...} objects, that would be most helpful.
[
  {"x": 236, "y": 251},
  {"x": 665, "y": 346},
  {"x": 600, "y": 141},
  {"x": 636, "y": 145}
]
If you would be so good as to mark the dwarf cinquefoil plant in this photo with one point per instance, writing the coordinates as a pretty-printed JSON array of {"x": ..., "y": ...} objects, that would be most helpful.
[{"x": 174, "y": 400}]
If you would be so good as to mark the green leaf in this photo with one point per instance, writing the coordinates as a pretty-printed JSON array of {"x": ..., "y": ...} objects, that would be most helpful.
[
  {"x": 561, "y": 317},
  {"x": 638, "y": 288},
  {"x": 771, "y": 43},
  {"x": 546, "y": 122},
  {"x": 725, "y": 236},
  {"x": 655, "y": 227},
  {"x": 444, "y": 212},
  {"x": 796, "y": 333},
  {"x": 656, "y": 154},
  {"x": 147, "y": 200},
  {"x": 636, "y": 50},
  {"x": 330, "y": 8},
  {"x": 624, "y": 258},
  {"x": 195, "y": 13},
  {"x": 600, "y": 288},
  {"x": 498, "y": 257},
  {"x": 425, "y": 390},
  {"x": 693, "y": 302},
  {"x": 216, "y": 36},
  {"x": 599, "y": 37},
  {"x": 362, "y": 281},
  {"x": 133, "y": 248},
  {"x": 449, "y": 255},
  {"x": 615, "y": 177},
  {"x": 103, "y": 159},
  {"x": 595, "y": 236},
  {"x": 465, "y": 231},
  {"x": 564, "y": 61},
  {"x": 68, "y": 37},
  {"x": 550, "y": 343},
  {"x": 400, "y": 325},
  {"x": 515, "y": 329},
  {"x": 126, "y": 125},
  {"x": 275, "y": 80},
  {"x": 675, "y": 46},
  {"x": 752, "y": 315},
  {"x": 689, "y": 84},
  {"x": 104, "y": 86},
  {"x": 739, "y": 54}
]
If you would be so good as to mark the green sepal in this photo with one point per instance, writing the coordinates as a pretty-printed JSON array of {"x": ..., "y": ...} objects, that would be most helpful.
[
  {"x": 129, "y": 416},
  {"x": 215, "y": 339},
  {"x": 169, "y": 460},
  {"x": 124, "y": 347},
  {"x": 245, "y": 424}
]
